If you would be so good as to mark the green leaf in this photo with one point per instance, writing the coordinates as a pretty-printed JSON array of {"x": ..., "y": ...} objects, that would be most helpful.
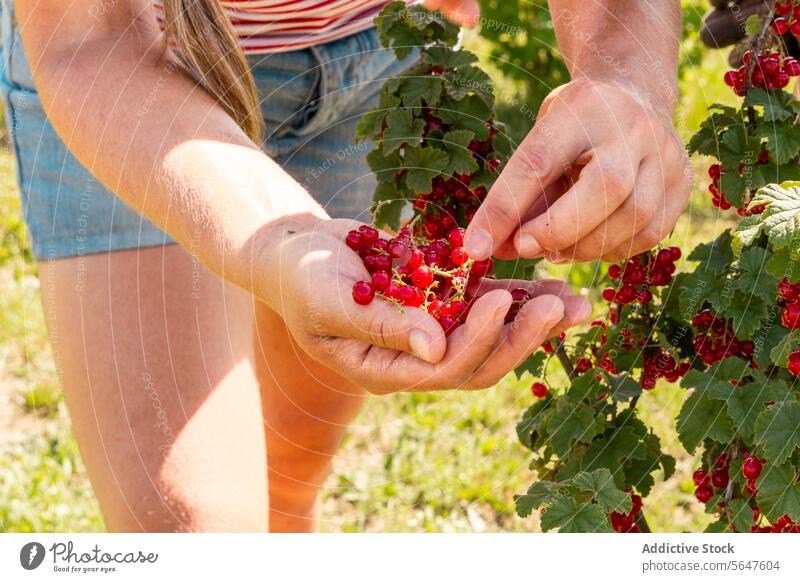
[
  {"x": 781, "y": 218},
  {"x": 783, "y": 263},
  {"x": 777, "y": 105},
  {"x": 461, "y": 159},
  {"x": 584, "y": 387},
  {"x": 754, "y": 277},
  {"x": 384, "y": 167},
  {"x": 747, "y": 315},
  {"x": 715, "y": 256},
  {"x": 424, "y": 164},
  {"x": 447, "y": 58},
  {"x": 615, "y": 447},
  {"x": 623, "y": 387},
  {"x": 783, "y": 141},
  {"x": 471, "y": 113},
  {"x": 466, "y": 80},
  {"x": 740, "y": 515},
  {"x": 752, "y": 26},
  {"x": 421, "y": 90},
  {"x": 533, "y": 364},
  {"x": 601, "y": 485},
  {"x": 540, "y": 493},
  {"x": 779, "y": 492},
  {"x": 569, "y": 516},
  {"x": 777, "y": 430},
  {"x": 387, "y": 206},
  {"x": 702, "y": 417},
  {"x": 768, "y": 338},
  {"x": 371, "y": 125},
  {"x": 402, "y": 128},
  {"x": 706, "y": 140},
  {"x": 699, "y": 287},
  {"x": 668, "y": 465},
  {"x": 513, "y": 268},
  {"x": 571, "y": 423},
  {"x": 780, "y": 353},
  {"x": 746, "y": 400}
]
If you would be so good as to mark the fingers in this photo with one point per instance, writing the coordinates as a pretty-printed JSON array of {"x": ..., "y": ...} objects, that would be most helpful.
[
  {"x": 541, "y": 159},
  {"x": 602, "y": 187},
  {"x": 382, "y": 324},
  {"x": 630, "y": 218},
  {"x": 659, "y": 226},
  {"x": 382, "y": 371},
  {"x": 532, "y": 326},
  {"x": 462, "y": 12}
]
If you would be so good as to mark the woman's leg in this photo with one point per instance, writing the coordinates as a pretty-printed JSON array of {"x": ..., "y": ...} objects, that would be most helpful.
[
  {"x": 155, "y": 355},
  {"x": 307, "y": 408}
]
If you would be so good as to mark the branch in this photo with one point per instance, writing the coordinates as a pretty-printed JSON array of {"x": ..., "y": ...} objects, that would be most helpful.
[
  {"x": 641, "y": 521},
  {"x": 563, "y": 357}
]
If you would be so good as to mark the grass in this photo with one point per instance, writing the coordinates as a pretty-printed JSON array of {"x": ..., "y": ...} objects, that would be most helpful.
[{"x": 447, "y": 462}]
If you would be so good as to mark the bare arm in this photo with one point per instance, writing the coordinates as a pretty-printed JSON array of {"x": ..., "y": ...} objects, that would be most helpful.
[
  {"x": 133, "y": 116},
  {"x": 633, "y": 44},
  {"x": 138, "y": 122},
  {"x": 602, "y": 174}
]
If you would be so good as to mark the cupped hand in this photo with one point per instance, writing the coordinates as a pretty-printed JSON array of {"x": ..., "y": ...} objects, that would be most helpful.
[
  {"x": 310, "y": 274},
  {"x": 601, "y": 175}
]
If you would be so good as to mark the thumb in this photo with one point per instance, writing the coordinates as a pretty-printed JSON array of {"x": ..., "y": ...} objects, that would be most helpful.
[{"x": 383, "y": 324}]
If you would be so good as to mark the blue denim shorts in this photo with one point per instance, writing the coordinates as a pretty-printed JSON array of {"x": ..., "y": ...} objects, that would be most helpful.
[{"x": 312, "y": 100}]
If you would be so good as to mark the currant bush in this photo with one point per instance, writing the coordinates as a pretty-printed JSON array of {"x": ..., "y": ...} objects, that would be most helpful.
[{"x": 722, "y": 322}]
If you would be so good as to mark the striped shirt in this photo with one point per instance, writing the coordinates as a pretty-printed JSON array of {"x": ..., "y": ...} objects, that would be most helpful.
[{"x": 269, "y": 26}]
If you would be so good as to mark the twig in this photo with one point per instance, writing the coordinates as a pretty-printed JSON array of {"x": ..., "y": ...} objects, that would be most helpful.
[
  {"x": 641, "y": 521},
  {"x": 563, "y": 357}
]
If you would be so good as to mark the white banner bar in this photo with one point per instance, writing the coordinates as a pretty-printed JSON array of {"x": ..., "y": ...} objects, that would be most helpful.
[{"x": 400, "y": 557}]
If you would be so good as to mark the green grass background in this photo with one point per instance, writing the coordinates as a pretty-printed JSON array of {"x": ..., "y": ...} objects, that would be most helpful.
[{"x": 447, "y": 462}]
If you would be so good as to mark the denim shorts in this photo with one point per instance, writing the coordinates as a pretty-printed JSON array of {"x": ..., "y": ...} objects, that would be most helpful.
[{"x": 311, "y": 100}]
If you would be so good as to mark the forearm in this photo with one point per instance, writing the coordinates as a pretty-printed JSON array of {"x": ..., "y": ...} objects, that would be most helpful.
[
  {"x": 630, "y": 44},
  {"x": 138, "y": 122}
]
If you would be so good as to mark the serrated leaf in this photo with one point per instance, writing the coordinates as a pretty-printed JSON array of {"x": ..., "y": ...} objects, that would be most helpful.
[
  {"x": 768, "y": 337},
  {"x": 783, "y": 263},
  {"x": 371, "y": 125},
  {"x": 569, "y": 424},
  {"x": 699, "y": 287},
  {"x": 471, "y": 114},
  {"x": 740, "y": 514},
  {"x": 715, "y": 256},
  {"x": 384, "y": 167},
  {"x": 746, "y": 400},
  {"x": 569, "y": 516},
  {"x": 753, "y": 276},
  {"x": 466, "y": 80},
  {"x": 783, "y": 141},
  {"x": 513, "y": 268},
  {"x": 702, "y": 417},
  {"x": 584, "y": 387},
  {"x": 613, "y": 449},
  {"x": 777, "y": 431},
  {"x": 601, "y": 485},
  {"x": 781, "y": 217},
  {"x": 462, "y": 160},
  {"x": 447, "y": 58},
  {"x": 533, "y": 364},
  {"x": 540, "y": 493},
  {"x": 777, "y": 105},
  {"x": 402, "y": 128},
  {"x": 422, "y": 89},
  {"x": 752, "y": 26},
  {"x": 623, "y": 387},
  {"x": 423, "y": 164},
  {"x": 667, "y": 465},
  {"x": 746, "y": 313},
  {"x": 387, "y": 206},
  {"x": 779, "y": 492},
  {"x": 780, "y": 353}
]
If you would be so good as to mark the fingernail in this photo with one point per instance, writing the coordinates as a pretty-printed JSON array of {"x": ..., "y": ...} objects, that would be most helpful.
[
  {"x": 528, "y": 246},
  {"x": 500, "y": 314},
  {"x": 478, "y": 244},
  {"x": 556, "y": 258},
  {"x": 420, "y": 344}
]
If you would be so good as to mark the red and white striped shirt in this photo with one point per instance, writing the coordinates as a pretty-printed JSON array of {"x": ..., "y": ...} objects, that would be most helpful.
[{"x": 285, "y": 25}]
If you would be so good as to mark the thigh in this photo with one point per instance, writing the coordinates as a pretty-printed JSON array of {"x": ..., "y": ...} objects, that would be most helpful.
[{"x": 155, "y": 355}]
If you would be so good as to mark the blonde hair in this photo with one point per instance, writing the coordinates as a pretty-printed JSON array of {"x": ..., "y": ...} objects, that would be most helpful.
[{"x": 207, "y": 42}]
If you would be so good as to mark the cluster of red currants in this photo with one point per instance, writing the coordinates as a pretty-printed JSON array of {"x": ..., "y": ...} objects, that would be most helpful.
[
  {"x": 718, "y": 339},
  {"x": 770, "y": 70},
  {"x": 708, "y": 483},
  {"x": 719, "y": 199},
  {"x": 787, "y": 19},
  {"x": 659, "y": 363},
  {"x": 639, "y": 274},
  {"x": 437, "y": 276},
  {"x": 626, "y": 522}
]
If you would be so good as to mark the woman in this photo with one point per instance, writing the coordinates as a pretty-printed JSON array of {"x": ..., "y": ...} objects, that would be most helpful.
[{"x": 195, "y": 407}]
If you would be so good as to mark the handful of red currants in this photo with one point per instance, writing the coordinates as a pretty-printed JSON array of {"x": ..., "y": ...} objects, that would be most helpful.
[{"x": 437, "y": 276}]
